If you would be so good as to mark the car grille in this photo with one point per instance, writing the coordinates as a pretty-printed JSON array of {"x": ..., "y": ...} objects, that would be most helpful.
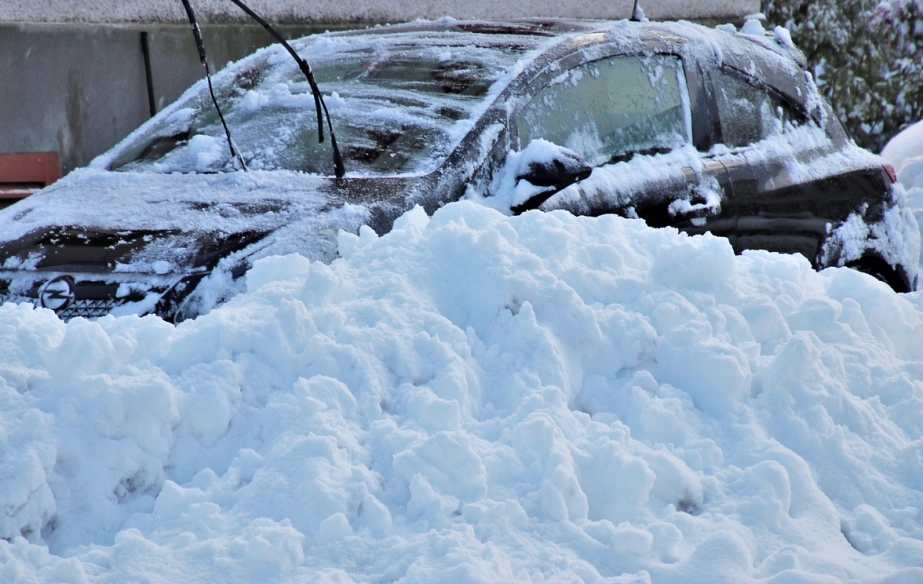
[{"x": 87, "y": 308}]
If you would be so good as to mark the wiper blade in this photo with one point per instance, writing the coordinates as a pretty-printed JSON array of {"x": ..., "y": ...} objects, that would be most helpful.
[
  {"x": 200, "y": 45},
  {"x": 627, "y": 156},
  {"x": 319, "y": 103}
]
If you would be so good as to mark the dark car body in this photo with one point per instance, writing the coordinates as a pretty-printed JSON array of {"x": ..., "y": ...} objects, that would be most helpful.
[{"x": 701, "y": 129}]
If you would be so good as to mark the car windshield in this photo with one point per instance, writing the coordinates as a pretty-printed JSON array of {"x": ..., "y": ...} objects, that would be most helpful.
[{"x": 396, "y": 107}]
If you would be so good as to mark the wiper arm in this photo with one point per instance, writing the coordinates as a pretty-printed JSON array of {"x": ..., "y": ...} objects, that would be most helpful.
[
  {"x": 626, "y": 156},
  {"x": 319, "y": 103},
  {"x": 200, "y": 44}
]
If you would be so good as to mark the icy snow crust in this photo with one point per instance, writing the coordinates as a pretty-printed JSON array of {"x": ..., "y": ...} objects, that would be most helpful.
[{"x": 477, "y": 398}]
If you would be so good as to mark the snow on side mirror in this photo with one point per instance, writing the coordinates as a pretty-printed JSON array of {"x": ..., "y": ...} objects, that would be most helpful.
[
  {"x": 550, "y": 168},
  {"x": 541, "y": 170}
]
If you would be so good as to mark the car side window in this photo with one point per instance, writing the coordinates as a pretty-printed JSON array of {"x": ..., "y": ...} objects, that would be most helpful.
[
  {"x": 608, "y": 109},
  {"x": 748, "y": 113}
]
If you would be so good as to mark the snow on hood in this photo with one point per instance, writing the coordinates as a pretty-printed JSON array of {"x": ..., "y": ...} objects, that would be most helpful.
[
  {"x": 188, "y": 212},
  {"x": 223, "y": 202},
  {"x": 476, "y": 398}
]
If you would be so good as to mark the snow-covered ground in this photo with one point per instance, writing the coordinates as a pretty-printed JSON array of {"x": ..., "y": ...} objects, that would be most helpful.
[{"x": 477, "y": 398}]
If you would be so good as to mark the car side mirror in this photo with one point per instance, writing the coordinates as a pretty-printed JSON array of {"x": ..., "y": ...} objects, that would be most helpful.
[{"x": 551, "y": 168}]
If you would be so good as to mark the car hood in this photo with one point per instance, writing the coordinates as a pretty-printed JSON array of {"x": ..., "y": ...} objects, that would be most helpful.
[
  {"x": 98, "y": 251},
  {"x": 96, "y": 221}
]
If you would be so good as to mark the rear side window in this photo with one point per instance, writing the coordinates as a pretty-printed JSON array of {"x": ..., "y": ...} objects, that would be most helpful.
[
  {"x": 748, "y": 113},
  {"x": 609, "y": 109}
]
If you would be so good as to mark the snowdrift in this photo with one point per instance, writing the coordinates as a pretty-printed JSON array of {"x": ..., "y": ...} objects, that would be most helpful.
[
  {"x": 477, "y": 398},
  {"x": 905, "y": 152}
]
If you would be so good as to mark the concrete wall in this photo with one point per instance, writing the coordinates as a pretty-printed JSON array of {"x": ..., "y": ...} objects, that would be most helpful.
[
  {"x": 78, "y": 89},
  {"x": 326, "y": 11}
]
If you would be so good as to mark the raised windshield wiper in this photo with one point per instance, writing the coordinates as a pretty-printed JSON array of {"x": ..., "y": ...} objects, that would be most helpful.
[
  {"x": 309, "y": 75},
  {"x": 200, "y": 44},
  {"x": 320, "y": 105}
]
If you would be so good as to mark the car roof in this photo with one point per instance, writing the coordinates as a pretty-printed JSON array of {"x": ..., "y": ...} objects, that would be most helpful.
[
  {"x": 750, "y": 37},
  {"x": 525, "y": 26},
  {"x": 766, "y": 55}
]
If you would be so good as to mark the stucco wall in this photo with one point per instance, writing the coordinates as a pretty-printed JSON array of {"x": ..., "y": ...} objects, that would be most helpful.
[{"x": 328, "y": 11}]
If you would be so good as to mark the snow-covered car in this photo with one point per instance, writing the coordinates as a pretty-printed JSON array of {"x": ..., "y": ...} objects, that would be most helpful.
[{"x": 703, "y": 129}]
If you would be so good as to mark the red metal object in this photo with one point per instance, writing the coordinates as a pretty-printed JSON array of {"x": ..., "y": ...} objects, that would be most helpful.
[
  {"x": 21, "y": 174},
  {"x": 891, "y": 174}
]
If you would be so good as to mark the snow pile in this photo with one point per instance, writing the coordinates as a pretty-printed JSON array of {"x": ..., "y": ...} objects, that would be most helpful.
[
  {"x": 905, "y": 152},
  {"x": 477, "y": 398}
]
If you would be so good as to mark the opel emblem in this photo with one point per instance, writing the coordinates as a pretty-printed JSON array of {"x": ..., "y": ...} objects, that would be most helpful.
[{"x": 57, "y": 293}]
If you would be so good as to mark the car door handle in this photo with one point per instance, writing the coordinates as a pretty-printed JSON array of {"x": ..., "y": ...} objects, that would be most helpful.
[{"x": 696, "y": 208}]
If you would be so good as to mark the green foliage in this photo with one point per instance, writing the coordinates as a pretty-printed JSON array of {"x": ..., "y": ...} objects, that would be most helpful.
[{"x": 867, "y": 58}]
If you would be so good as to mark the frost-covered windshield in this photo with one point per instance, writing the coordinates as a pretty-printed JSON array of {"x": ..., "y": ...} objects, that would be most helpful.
[{"x": 397, "y": 107}]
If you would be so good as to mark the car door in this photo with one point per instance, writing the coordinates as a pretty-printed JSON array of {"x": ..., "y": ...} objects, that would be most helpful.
[
  {"x": 777, "y": 159},
  {"x": 630, "y": 117}
]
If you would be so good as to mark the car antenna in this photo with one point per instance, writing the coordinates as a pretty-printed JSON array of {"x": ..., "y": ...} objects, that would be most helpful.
[
  {"x": 200, "y": 44},
  {"x": 319, "y": 103},
  {"x": 637, "y": 15}
]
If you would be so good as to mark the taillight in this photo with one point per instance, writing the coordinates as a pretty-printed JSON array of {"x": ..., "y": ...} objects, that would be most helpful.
[{"x": 890, "y": 170}]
